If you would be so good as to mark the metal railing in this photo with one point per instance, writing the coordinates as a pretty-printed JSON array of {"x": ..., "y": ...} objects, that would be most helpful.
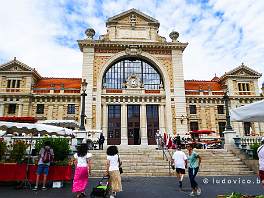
[{"x": 165, "y": 152}]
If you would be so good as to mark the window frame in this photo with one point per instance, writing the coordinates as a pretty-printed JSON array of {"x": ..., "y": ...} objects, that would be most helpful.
[{"x": 40, "y": 109}]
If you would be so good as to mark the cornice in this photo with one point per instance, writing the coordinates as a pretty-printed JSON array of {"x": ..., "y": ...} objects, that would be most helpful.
[{"x": 127, "y": 44}]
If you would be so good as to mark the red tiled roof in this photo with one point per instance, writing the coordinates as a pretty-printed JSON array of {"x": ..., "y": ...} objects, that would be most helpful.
[
  {"x": 67, "y": 83},
  {"x": 202, "y": 85}
]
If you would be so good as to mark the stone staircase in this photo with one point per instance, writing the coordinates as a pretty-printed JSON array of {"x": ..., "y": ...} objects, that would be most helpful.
[{"x": 147, "y": 161}]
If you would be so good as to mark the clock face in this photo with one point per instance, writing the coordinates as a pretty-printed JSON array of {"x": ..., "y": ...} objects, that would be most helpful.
[{"x": 134, "y": 82}]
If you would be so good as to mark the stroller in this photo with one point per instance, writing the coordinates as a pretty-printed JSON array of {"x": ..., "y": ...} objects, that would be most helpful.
[{"x": 102, "y": 189}]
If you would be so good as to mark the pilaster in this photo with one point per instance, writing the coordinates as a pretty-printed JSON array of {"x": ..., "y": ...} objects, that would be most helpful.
[
  {"x": 124, "y": 140},
  {"x": 179, "y": 92},
  {"x": 143, "y": 125},
  {"x": 87, "y": 74}
]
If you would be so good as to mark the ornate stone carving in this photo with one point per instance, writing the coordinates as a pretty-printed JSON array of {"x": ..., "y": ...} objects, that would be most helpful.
[
  {"x": 90, "y": 33},
  {"x": 174, "y": 36},
  {"x": 133, "y": 50},
  {"x": 133, "y": 82}
]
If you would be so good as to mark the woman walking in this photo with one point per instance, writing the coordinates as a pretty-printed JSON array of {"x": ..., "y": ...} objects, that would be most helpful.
[
  {"x": 194, "y": 163},
  {"x": 82, "y": 161},
  {"x": 112, "y": 169}
]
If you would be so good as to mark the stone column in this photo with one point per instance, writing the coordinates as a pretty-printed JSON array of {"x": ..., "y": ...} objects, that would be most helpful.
[
  {"x": 105, "y": 121},
  {"x": 20, "y": 110},
  {"x": 124, "y": 140},
  {"x": 50, "y": 112},
  {"x": 179, "y": 92},
  {"x": 2, "y": 108},
  {"x": 162, "y": 118},
  {"x": 143, "y": 125},
  {"x": 87, "y": 74}
]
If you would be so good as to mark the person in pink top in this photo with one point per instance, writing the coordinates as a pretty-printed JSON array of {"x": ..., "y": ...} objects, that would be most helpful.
[{"x": 82, "y": 161}]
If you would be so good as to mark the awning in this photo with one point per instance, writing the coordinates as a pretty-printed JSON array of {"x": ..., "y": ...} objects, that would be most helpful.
[
  {"x": 34, "y": 129},
  {"x": 253, "y": 112},
  {"x": 61, "y": 123}
]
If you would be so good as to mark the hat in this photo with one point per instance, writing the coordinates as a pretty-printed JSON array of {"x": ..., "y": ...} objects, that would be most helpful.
[{"x": 262, "y": 139}]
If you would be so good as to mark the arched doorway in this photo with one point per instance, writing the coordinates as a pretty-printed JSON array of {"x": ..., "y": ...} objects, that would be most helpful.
[{"x": 132, "y": 90}]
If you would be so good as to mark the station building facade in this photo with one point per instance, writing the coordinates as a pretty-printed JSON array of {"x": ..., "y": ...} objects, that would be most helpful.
[{"x": 135, "y": 87}]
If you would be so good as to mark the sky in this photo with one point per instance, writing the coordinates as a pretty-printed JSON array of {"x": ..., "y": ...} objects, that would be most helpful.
[{"x": 221, "y": 33}]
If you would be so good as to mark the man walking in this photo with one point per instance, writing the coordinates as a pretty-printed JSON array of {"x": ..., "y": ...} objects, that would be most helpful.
[
  {"x": 180, "y": 163},
  {"x": 194, "y": 163},
  {"x": 46, "y": 155},
  {"x": 260, "y": 152}
]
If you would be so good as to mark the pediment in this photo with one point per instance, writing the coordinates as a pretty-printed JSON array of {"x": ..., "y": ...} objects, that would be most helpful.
[
  {"x": 132, "y": 16},
  {"x": 241, "y": 71},
  {"x": 15, "y": 65}
]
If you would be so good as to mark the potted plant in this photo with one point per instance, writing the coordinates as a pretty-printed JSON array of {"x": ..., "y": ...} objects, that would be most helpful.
[
  {"x": 18, "y": 151},
  {"x": 3, "y": 148}
]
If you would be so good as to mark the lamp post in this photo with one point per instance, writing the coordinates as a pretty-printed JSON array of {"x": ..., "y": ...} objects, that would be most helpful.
[
  {"x": 84, "y": 85},
  {"x": 228, "y": 124}
]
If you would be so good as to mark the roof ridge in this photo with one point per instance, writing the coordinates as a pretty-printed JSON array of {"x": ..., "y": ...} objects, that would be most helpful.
[
  {"x": 199, "y": 81},
  {"x": 60, "y": 78}
]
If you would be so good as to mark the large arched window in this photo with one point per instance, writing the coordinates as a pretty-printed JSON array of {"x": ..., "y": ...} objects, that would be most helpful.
[{"x": 118, "y": 74}]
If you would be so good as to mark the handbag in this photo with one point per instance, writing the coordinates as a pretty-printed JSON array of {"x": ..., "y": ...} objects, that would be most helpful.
[{"x": 120, "y": 164}]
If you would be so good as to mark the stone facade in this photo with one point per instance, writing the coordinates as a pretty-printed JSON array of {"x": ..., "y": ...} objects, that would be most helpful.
[
  {"x": 180, "y": 105},
  {"x": 24, "y": 93}
]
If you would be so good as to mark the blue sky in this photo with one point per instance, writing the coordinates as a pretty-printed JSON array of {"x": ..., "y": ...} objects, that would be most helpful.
[{"x": 221, "y": 33}]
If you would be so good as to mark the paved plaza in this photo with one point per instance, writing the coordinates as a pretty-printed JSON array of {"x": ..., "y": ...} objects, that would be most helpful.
[{"x": 154, "y": 187}]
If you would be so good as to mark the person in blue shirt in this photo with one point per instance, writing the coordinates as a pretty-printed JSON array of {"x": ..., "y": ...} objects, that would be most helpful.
[{"x": 194, "y": 163}]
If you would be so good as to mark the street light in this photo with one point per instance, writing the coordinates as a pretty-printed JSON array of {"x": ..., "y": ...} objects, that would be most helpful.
[
  {"x": 226, "y": 100},
  {"x": 84, "y": 86}
]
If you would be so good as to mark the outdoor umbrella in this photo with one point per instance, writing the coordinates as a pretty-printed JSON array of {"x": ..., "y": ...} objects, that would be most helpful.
[
  {"x": 253, "y": 112},
  {"x": 35, "y": 129},
  {"x": 61, "y": 123}
]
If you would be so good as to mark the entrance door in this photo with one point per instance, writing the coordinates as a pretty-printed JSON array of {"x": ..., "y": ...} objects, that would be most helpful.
[
  {"x": 114, "y": 125},
  {"x": 152, "y": 122},
  {"x": 133, "y": 124}
]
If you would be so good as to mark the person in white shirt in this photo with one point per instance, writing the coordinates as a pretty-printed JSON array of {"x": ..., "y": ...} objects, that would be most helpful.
[
  {"x": 82, "y": 161},
  {"x": 112, "y": 169},
  {"x": 260, "y": 152},
  {"x": 179, "y": 160}
]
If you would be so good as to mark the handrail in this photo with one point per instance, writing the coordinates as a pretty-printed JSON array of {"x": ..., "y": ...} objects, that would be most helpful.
[{"x": 162, "y": 145}]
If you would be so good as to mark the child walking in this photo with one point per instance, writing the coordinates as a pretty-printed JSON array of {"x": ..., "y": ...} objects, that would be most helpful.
[{"x": 82, "y": 161}]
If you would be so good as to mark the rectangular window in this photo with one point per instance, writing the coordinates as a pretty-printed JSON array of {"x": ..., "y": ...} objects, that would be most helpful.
[
  {"x": 9, "y": 84},
  {"x": 220, "y": 109},
  {"x": 221, "y": 126},
  {"x": 192, "y": 109},
  {"x": 243, "y": 87},
  {"x": 71, "y": 109},
  {"x": 194, "y": 126},
  {"x": 247, "y": 128},
  {"x": 18, "y": 84},
  {"x": 40, "y": 108},
  {"x": 11, "y": 108}
]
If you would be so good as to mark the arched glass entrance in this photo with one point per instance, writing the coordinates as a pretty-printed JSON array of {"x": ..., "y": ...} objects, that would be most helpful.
[{"x": 131, "y": 107}]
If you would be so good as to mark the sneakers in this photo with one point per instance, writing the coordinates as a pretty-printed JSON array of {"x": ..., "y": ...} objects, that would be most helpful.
[
  {"x": 35, "y": 188},
  {"x": 199, "y": 191},
  {"x": 192, "y": 194},
  {"x": 43, "y": 188}
]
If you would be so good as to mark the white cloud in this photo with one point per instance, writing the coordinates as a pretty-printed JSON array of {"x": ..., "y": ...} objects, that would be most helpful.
[{"x": 222, "y": 34}]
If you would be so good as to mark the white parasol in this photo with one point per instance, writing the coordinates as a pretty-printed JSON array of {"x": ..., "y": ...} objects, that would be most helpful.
[
  {"x": 35, "y": 129},
  {"x": 253, "y": 112}
]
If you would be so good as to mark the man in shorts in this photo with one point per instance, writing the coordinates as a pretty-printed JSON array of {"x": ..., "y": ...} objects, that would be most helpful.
[
  {"x": 179, "y": 160},
  {"x": 46, "y": 155},
  {"x": 260, "y": 152}
]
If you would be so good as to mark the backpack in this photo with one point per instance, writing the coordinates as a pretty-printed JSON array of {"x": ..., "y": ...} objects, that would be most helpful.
[{"x": 46, "y": 158}]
